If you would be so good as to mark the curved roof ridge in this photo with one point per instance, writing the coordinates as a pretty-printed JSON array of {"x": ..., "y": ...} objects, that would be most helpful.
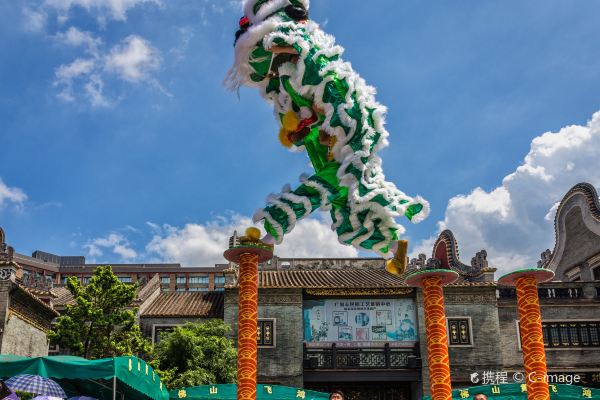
[
  {"x": 450, "y": 257},
  {"x": 593, "y": 202}
]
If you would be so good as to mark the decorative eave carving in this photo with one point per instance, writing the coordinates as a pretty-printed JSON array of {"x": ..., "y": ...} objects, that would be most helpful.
[
  {"x": 590, "y": 196},
  {"x": 8, "y": 267},
  {"x": 6, "y": 252},
  {"x": 360, "y": 292},
  {"x": 445, "y": 249}
]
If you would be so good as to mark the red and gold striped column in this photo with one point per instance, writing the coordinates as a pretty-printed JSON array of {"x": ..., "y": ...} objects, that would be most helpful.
[
  {"x": 247, "y": 325},
  {"x": 530, "y": 326},
  {"x": 248, "y": 254},
  {"x": 438, "y": 360}
]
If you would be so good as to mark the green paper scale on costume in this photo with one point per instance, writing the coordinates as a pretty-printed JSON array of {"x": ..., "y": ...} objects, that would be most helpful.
[{"x": 348, "y": 178}]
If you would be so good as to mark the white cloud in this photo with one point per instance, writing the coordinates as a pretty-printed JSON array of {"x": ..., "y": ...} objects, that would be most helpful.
[
  {"x": 103, "y": 9},
  {"x": 93, "y": 89},
  {"x": 178, "y": 54},
  {"x": 514, "y": 221},
  {"x": 153, "y": 226},
  {"x": 75, "y": 69},
  {"x": 76, "y": 37},
  {"x": 114, "y": 242},
  {"x": 202, "y": 245},
  {"x": 34, "y": 20},
  {"x": 11, "y": 195},
  {"x": 313, "y": 237},
  {"x": 133, "y": 60},
  {"x": 236, "y": 5}
]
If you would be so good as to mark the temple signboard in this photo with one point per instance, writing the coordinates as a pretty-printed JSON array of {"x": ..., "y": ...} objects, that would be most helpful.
[{"x": 363, "y": 320}]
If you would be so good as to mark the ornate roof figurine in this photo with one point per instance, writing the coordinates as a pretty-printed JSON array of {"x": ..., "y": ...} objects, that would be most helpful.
[
  {"x": 480, "y": 260},
  {"x": 445, "y": 250},
  {"x": 324, "y": 107},
  {"x": 7, "y": 265},
  {"x": 6, "y": 252},
  {"x": 544, "y": 258}
]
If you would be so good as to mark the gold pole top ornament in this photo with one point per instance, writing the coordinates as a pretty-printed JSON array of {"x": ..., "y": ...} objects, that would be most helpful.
[{"x": 249, "y": 243}]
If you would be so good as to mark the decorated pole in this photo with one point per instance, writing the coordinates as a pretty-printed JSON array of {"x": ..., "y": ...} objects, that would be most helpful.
[
  {"x": 248, "y": 253},
  {"x": 530, "y": 324},
  {"x": 432, "y": 281}
]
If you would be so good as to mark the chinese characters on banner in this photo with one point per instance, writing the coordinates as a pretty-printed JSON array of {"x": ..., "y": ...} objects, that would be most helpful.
[{"x": 360, "y": 320}]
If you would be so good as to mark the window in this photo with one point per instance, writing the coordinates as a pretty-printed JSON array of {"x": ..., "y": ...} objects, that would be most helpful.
[
  {"x": 181, "y": 279},
  {"x": 63, "y": 279},
  {"x": 124, "y": 279},
  {"x": 219, "y": 289},
  {"x": 265, "y": 333},
  {"x": 198, "y": 289},
  {"x": 86, "y": 280},
  {"x": 158, "y": 330},
  {"x": 219, "y": 280},
  {"x": 596, "y": 273},
  {"x": 180, "y": 289},
  {"x": 165, "y": 279},
  {"x": 565, "y": 334},
  {"x": 459, "y": 332},
  {"x": 199, "y": 279},
  {"x": 53, "y": 348}
]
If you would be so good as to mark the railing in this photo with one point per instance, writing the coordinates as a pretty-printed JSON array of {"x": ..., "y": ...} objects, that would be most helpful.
[
  {"x": 546, "y": 293},
  {"x": 37, "y": 282},
  {"x": 362, "y": 358}
]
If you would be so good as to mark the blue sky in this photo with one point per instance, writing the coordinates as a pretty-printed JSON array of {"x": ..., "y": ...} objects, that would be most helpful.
[{"x": 120, "y": 143}]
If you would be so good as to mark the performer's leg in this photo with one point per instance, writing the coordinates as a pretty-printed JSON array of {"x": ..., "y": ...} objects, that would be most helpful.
[
  {"x": 285, "y": 209},
  {"x": 397, "y": 265}
]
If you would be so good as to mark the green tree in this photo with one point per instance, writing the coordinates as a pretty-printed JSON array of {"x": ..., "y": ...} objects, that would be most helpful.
[
  {"x": 102, "y": 322},
  {"x": 196, "y": 354}
]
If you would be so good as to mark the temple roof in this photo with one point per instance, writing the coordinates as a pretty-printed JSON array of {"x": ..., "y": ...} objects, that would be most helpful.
[
  {"x": 63, "y": 297},
  {"x": 577, "y": 230},
  {"x": 445, "y": 250},
  {"x": 336, "y": 279},
  {"x": 445, "y": 255},
  {"x": 186, "y": 304}
]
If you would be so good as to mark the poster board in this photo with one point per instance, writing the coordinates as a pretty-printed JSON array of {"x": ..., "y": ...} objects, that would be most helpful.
[{"x": 360, "y": 321}]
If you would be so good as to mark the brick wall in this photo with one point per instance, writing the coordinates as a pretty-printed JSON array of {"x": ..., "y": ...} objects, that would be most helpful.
[
  {"x": 561, "y": 310},
  {"x": 281, "y": 364},
  {"x": 485, "y": 354},
  {"x": 23, "y": 339}
]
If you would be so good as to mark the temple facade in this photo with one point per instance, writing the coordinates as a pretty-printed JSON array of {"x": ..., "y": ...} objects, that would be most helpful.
[{"x": 349, "y": 324}]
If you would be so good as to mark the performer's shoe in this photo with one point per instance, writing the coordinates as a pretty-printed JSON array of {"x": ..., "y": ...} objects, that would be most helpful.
[{"x": 397, "y": 265}]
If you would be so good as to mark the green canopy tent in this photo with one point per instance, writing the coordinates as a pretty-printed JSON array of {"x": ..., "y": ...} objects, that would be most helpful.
[
  {"x": 515, "y": 391},
  {"x": 229, "y": 392},
  {"x": 106, "y": 379}
]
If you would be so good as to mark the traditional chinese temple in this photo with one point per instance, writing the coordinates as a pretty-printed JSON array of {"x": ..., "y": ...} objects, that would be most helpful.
[{"x": 348, "y": 324}]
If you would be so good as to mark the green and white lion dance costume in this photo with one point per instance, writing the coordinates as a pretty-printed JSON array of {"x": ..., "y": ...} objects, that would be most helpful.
[{"x": 327, "y": 109}]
